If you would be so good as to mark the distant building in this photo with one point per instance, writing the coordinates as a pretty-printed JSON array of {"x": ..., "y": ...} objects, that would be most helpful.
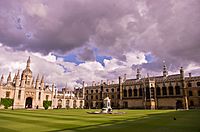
[
  {"x": 159, "y": 92},
  {"x": 29, "y": 93}
]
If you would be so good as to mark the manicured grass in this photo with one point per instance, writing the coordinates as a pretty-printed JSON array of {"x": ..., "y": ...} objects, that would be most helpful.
[{"x": 79, "y": 120}]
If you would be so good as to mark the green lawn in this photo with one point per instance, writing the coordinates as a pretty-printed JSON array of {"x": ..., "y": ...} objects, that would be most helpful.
[{"x": 79, "y": 120}]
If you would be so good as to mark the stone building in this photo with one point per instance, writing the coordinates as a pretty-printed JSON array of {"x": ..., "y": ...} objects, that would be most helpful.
[
  {"x": 157, "y": 92},
  {"x": 30, "y": 93},
  {"x": 69, "y": 98}
]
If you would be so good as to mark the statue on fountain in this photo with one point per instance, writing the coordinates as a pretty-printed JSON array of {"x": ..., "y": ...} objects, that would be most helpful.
[{"x": 106, "y": 107}]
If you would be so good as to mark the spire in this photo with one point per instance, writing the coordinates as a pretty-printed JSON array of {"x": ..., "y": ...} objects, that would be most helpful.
[
  {"x": 38, "y": 77},
  {"x": 9, "y": 77},
  {"x": 42, "y": 80},
  {"x": 28, "y": 63},
  {"x": 165, "y": 72},
  {"x": 33, "y": 81},
  {"x": 18, "y": 76},
  {"x": 2, "y": 77},
  {"x": 15, "y": 77},
  {"x": 1, "y": 82}
]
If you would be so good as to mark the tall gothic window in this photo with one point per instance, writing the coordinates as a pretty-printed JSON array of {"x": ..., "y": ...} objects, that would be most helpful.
[
  {"x": 130, "y": 92},
  {"x": 158, "y": 91},
  {"x": 164, "y": 90},
  {"x": 135, "y": 92},
  {"x": 140, "y": 91},
  {"x": 171, "y": 91},
  {"x": 178, "y": 90},
  {"x": 125, "y": 93}
]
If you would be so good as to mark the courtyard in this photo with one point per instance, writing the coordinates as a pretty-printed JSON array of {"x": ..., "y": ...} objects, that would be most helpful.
[{"x": 73, "y": 120}]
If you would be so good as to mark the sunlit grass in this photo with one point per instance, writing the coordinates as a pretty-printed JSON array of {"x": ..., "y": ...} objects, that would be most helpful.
[{"x": 79, "y": 120}]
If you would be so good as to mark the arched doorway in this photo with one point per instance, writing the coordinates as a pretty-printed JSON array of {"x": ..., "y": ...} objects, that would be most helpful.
[
  {"x": 179, "y": 104},
  {"x": 29, "y": 101}
]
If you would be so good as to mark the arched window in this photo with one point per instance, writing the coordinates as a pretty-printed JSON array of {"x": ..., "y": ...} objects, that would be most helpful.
[
  {"x": 198, "y": 84},
  {"x": 178, "y": 90},
  {"x": 96, "y": 91},
  {"x": 171, "y": 91},
  {"x": 152, "y": 92},
  {"x": 112, "y": 90},
  {"x": 130, "y": 92},
  {"x": 164, "y": 90},
  {"x": 125, "y": 93},
  {"x": 135, "y": 92},
  {"x": 158, "y": 91},
  {"x": 91, "y": 91}
]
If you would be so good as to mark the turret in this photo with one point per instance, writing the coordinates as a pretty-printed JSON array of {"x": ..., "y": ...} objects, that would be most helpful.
[
  {"x": 28, "y": 63},
  {"x": 37, "y": 82},
  {"x": 33, "y": 81},
  {"x": 124, "y": 78},
  {"x": 23, "y": 80},
  {"x": 17, "y": 81},
  {"x": 165, "y": 72},
  {"x": 182, "y": 72},
  {"x": 42, "y": 83},
  {"x": 138, "y": 75}
]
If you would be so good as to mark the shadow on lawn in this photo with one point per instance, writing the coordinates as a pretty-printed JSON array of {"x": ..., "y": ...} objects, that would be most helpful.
[{"x": 173, "y": 121}]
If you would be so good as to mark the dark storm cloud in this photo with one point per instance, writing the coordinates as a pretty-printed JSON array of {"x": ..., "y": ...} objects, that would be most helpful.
[{"x": 168, "y": 29}]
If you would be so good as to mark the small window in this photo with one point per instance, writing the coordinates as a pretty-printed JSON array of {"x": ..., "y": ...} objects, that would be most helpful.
[
  {"x": 7, "y": 94},
  {"x": 189, "y": 84},
  {"x": 91, "y": 91},
  {"x": 96, "y": 96},
  {"x": 87, "y": 91},
  {"x": 91, "y": 97},
  {"x": 199, "y": 93},
  {"x": 198, "y": 84},
  {"x": 39, "y": 96},
  {"x": 96, "y": 91},
  {"x": 19, "y": 94},
  {"x": 190, "y": 93},
  {"x": 47, "y": 97}
]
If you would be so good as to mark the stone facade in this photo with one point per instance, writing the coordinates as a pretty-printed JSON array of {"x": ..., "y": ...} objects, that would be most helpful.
[
  {"x": 158, "y": 92},
  {"x": 29, "y": 93}
]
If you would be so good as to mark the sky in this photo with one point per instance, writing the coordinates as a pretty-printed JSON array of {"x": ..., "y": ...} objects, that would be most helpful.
[{"x": 70, "y": 41}]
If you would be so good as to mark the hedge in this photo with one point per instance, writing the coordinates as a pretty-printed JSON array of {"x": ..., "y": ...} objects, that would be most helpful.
[
  {"x": 47, "y": 104},
  {"x": 7, "y": 102}
]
